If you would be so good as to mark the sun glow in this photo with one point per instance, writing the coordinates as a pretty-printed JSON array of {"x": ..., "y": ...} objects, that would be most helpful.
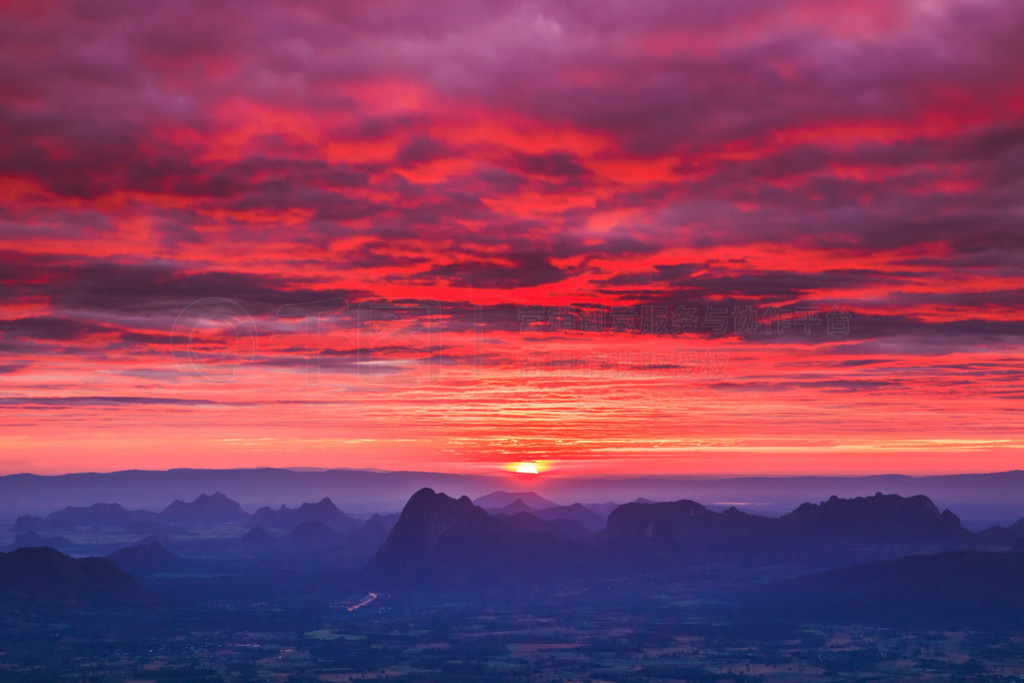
[{"x": 525, "y": 468}]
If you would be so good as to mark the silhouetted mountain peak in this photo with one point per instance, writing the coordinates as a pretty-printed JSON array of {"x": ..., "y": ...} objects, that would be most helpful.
[
  {"x": 447, "y": 540},
  {"x": 653, "y": 520},
  {"x": 213, "y": 499},
  {"x": 436, "y": 513},
  {"x": 145, "y": 557},
  {"x": 426, "y": 518},
  {"x": 514, "y": 508},
  {"x": 45, "y": 575},
  {"x": 500, "y": 499},
  {"x": 685, "y": 531},
  {"x": 215, "y": 508},
  {"x": 877, "y": 514}
]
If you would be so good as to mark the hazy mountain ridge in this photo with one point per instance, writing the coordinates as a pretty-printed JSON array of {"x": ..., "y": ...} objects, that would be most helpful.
[
  {"x": 206, "y": 509},
  {"x": 992, "y": 498},
  {"x": 30, "y": 539},
  {"x": 108, "y": 515},
  {"x": 576, "y": 512},
  {"x": 215, "y": 508},
  {"x": 502, "y": 499},
  {"x": 442, "y": 540},
  {"x": 287, "y": 519}
]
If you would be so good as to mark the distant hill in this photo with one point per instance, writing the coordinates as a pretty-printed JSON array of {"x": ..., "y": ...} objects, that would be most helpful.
[
  {"x": 31, "y": 539},
  {"x": 152, "y": 528},
  {"x": 1006, "y": 536},
  {"x": 602, "y": 510},
  {"x": 206, "y": 510},
  {"x": 44, "y": 576},
  {"x": 375, "y": 530},
  {"x": 147, "y": 557},
  {"x": 107, "y": 515},
  {"x": 578, "y": 513},
  {"x": 286, "y": 519},
  {"x": 97, "y": 515},
  {"x": 36, "y": 524},
  {"x": 514, "y": 508},
  {"x": 312, "y": 534},
  {"x": 965, "y": 589},
  {"x": 566, "y": 529},
  {"x": 257, "y": 537},
  {"x": 575, "y": 512},
  {"x": 501, "y": 499}
]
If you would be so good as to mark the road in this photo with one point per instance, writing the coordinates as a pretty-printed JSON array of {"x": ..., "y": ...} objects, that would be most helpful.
[{"x": 370, "y": 597}]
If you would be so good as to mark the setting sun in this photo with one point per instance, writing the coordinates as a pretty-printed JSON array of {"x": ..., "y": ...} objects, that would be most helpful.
[{"x": 526, "y": 468}]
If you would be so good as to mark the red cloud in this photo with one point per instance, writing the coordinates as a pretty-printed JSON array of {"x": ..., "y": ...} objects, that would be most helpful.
[{"x": 487, "y": 164}]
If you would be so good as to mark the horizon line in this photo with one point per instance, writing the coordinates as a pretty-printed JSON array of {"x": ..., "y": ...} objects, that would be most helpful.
[{"x": 538, "y": 478}]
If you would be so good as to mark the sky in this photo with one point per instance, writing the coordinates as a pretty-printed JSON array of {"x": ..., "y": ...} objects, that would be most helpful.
[{"x": 702, "y": 237}]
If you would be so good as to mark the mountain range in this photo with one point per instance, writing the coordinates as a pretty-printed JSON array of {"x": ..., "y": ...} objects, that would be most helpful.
[
  {"x": 205, "y": 510},
  {"x": 449, "y": 541},
  {"x": 884, "y": 555},
  {"x": 981, "y": 499}
]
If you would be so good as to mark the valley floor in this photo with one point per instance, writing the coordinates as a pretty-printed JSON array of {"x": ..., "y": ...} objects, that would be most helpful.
[{"x": 610, "y": 632}]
